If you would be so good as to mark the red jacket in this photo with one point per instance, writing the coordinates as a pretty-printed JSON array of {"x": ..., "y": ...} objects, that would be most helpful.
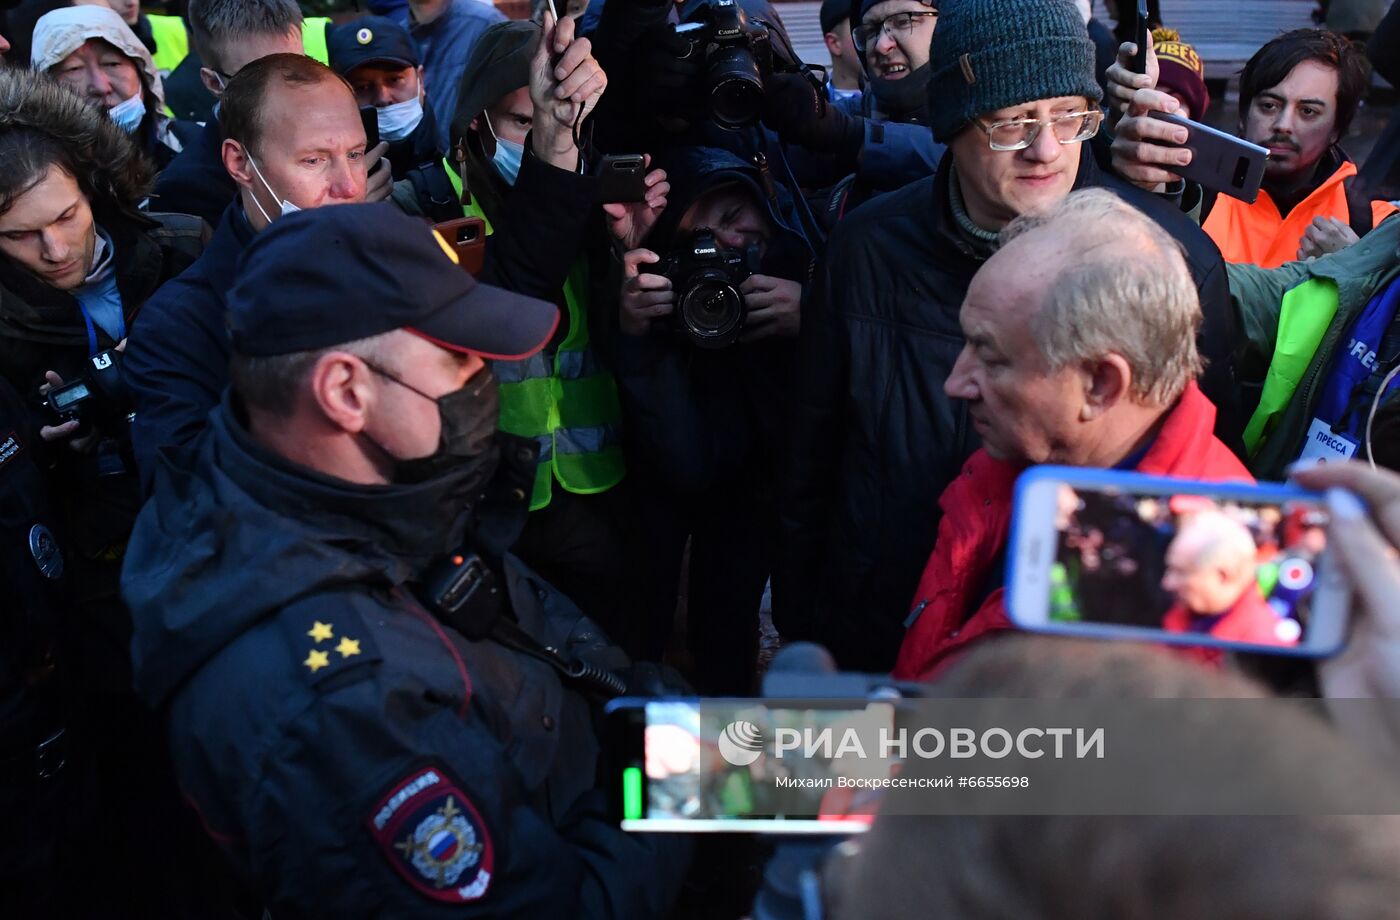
[
  {"x": 976, "y": 524},
  {"x": 1251, "y": 619}
]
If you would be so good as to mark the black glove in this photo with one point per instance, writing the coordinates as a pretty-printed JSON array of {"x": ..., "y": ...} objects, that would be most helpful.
[{"x": 798, "y": 111}]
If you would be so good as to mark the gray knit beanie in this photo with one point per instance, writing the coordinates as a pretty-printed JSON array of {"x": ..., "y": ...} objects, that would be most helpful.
[{"x": 990, "y": 54}]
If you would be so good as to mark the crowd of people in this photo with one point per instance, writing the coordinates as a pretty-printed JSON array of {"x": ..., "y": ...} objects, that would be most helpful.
[{"x": 381, "y": 392}]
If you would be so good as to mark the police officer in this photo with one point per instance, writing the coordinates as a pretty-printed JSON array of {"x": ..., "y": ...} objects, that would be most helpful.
[
  {"x": 378, "y": 58},
  {"x": 356, "y": 741}
]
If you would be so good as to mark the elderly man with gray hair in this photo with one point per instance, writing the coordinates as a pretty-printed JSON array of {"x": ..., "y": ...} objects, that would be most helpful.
[{"x": 1080, "y": 350}]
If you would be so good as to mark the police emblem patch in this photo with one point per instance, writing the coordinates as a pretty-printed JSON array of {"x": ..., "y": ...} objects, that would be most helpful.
[
  {"x": 434, "y": 837},
  {"x": 44, "y": 548}
]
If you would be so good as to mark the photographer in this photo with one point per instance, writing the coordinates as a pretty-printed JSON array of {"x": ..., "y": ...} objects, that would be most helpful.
[
  {"x": 356, "y": 743},
  {"x": 77, "y": 262},
  {"x": 704, "y": 368}
]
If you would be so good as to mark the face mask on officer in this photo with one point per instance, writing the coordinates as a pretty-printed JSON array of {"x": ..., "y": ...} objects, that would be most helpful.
[
  {"x": 507, "y": 156},
  {"x": 468, "y": 418},
  {"x": 128, "y": 114},
  {"x": 399, "y": 120},
  {"x": 286, "y": 206}
]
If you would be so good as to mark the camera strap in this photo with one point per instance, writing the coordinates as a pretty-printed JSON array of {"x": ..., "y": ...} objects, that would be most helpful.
[{"x": 465, "y": 592}]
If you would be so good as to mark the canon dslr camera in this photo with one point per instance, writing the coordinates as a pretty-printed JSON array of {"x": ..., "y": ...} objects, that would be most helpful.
[
  {"x": 710, "y": 311},
  {"x": 738, "y": 55}
]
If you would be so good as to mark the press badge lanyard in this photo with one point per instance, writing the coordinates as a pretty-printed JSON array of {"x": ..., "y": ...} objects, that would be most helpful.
[
  {"x": 1335, "y": 430},
  {"x": 92, "y": 329}
]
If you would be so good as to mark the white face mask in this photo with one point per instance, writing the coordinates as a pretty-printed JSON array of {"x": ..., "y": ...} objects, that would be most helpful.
[
  {"x": 508, "y": 155},
  {"x": 286, "y": 206},
  {"x": 128, "y": 114},
  {"x": 398, "y": 121}
]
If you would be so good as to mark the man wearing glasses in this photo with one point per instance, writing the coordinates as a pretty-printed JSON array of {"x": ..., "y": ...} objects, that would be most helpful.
[
  {"x": 893, "y": 39},
  {"x": 875, "y": 440}
]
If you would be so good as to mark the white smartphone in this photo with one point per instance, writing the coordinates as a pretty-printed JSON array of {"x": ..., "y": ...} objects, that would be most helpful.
[{"x": 1126, "y": 556}]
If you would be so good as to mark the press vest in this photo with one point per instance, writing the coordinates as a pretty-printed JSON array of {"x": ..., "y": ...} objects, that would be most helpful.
[
  {"x": 1257, "y": 234},
  {"x": 563, "y": 398}
]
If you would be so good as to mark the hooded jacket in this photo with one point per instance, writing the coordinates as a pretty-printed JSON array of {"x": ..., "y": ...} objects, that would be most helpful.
[
  {"x": 976, "y": 522},
  {"x": 59, "y": 33},
  {"x": 352, "y": 755},
  {"x": 697, "y": 417},
  {"x": 876, "y": 440}
]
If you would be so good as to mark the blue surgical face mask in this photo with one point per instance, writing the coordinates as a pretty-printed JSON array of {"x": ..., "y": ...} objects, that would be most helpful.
[
  {"x": 397, "y": 121},
  {"x": 286, "y": 206},
  {"x": 127, "y": 115},
  {"x": 507, "y": 156}
]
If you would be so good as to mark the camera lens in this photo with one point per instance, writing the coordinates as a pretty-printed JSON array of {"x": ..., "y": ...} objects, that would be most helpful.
[
  {"x": 712, "y": 311},
  {"x": 736, "y": 87}
]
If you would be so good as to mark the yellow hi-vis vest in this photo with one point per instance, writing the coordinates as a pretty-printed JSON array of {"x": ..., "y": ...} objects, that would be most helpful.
[
  {"x": 565, "y": 400},
  {"x": 313, "y": 38},
  {"x": 172, "y": 42}
]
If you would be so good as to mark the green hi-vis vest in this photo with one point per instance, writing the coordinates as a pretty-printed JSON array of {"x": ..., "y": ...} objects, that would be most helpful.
[
  {"x": 1304, "y": 315},
  {"x": 172, "y": 42},
  {"x": 566, "y": 401},
  {"x": 313, "y": 38}
]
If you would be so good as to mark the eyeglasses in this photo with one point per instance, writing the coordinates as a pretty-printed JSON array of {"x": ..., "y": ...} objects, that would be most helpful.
[
  {"x": 1020, "y": 133},
  {"x": 900, "y": 26}
]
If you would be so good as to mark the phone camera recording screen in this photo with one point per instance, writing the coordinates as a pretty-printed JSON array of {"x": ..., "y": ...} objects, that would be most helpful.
[
  {"x": 724, "y": 767},
  {"x": 1192, "y": 564}
]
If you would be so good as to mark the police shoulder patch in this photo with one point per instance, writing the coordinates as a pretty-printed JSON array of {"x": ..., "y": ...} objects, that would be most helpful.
[
  {"x": 327, "y": 637},
  {"x": 434, "y": 837}
]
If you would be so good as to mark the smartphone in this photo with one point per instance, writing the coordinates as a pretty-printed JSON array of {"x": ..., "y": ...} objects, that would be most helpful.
[
  {"x": 621, "y": 178},
  {"x": 1220, "y": 162},
  {"x": 467, "y": 237},
  {"x": 743, "y": 765},
  {"x": 1140, "y": 38},
  {"x": 1121, "y": 555},
  {"x": 369, "y": 117}
]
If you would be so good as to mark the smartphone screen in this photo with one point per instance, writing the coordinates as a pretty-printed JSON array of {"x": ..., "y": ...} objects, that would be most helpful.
[
  {"x": 741, "y": 765},
  {"x": 1129, "y": 556}
]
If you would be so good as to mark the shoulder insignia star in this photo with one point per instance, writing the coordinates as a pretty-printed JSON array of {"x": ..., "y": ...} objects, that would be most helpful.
[
  {"x": 321, "y": 631},
  {"x": 317, "y": 660},
  {"x": 348, "y": 647}
]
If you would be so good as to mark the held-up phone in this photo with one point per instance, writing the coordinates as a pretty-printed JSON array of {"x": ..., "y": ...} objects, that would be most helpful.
[
  {"x": 369, "y": 117},
  {"x": 621, "y": 178},
  {"x": 1119, "y": 555},
  {"x": 1220, "y": 162},
  {"x": 466, "y": 236},
  {"x": 1139, "y": 34},
  {"x": 742, "y": 765}
]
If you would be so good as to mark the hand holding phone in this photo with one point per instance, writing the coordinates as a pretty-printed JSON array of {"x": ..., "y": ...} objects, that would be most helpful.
[
  {"x": 1220, "y": 162},
  {"x": 1118, "y": 555}
]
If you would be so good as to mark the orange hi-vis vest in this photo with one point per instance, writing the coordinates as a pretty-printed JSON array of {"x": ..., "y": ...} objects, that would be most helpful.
[{"x": 1257, "y": 234}]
